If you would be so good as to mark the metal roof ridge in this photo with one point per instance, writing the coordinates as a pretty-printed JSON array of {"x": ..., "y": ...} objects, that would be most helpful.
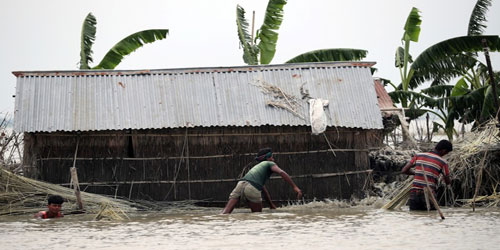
[{"x": 191, "y": 70}]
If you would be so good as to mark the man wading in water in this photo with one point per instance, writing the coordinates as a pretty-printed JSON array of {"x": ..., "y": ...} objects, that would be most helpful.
[
  {"x": 428, "y": 167},
  {"x": 54, "y": 208},
  {"x": 249, "y": 188}
]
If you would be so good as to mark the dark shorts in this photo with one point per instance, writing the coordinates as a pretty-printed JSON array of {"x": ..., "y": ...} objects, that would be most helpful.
[{"x": 417, "y": 201}]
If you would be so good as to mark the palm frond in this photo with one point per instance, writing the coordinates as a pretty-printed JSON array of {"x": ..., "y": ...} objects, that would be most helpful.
[
  {"x": 129, "y": 45},
  {"x": 250, "y": 52},
  {"x": 268, "y": 32},
  {"x": 87, "y": 40},
  {"x": 412, "y": 26},
  {"x": 330, "y": 55},
  {"x": 478, "y": 18}
]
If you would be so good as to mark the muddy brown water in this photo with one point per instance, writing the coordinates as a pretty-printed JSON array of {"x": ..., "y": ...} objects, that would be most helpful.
[{"x": 317, "y": 225}]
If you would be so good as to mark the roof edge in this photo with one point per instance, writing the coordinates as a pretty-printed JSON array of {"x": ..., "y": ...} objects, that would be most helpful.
[{"x": 191, "y": 70}]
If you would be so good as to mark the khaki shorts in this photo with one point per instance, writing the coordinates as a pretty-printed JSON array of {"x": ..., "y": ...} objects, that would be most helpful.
[{"x": 245, "y": 191}]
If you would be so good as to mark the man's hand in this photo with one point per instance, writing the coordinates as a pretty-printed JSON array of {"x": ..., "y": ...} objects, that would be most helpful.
[{"x": 298, "y": 191}]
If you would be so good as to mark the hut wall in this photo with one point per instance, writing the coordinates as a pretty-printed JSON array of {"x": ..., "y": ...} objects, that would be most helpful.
[{"x": 204, "y": 163}]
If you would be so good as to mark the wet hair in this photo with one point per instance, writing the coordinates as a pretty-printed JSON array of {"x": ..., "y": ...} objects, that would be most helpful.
[
  {"x": 264, "y": 154},
  {"x": 55, "y": 199},
  {"x": 444, "y": 144}
]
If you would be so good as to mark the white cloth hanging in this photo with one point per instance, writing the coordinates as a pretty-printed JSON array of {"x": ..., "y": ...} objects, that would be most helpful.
[{"x": 317, "y": 115}]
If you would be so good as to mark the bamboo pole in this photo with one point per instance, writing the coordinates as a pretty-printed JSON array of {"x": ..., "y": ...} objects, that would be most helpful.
[
  {"x": 479, "y": 178},
  {"x": 175, "y": 181},
  {"x": 431, "y": 195},
  {"x": 491, "y": 75},
  {"x": 429, "y": 139},
  {"x": 253, "y": 25},
  {"x": 74, "y": 178},
  {"x": 215, "y": 156}
]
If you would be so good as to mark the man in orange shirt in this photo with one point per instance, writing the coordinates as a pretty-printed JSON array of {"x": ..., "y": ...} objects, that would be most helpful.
[{"x": 54, "y": 208}]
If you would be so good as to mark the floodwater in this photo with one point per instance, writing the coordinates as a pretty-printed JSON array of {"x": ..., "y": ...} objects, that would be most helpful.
[{"x": 317, "y": 225}]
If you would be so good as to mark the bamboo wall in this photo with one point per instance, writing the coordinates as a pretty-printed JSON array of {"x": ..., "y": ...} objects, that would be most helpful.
[{"x": 203, "y": 163}]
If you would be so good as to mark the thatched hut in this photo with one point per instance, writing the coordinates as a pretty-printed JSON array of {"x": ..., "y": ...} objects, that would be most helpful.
[{"x": 178, "y": 134}]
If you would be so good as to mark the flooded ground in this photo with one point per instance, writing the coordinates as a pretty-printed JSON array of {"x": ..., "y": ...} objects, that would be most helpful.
[{"x": 317, "y": 225}]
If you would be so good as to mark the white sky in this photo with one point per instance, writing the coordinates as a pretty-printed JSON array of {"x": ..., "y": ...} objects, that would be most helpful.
[{"x": 45, "y": 35}]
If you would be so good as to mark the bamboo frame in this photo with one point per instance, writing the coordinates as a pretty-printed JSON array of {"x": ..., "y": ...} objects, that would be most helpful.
[{"x": 213, "y": 181}]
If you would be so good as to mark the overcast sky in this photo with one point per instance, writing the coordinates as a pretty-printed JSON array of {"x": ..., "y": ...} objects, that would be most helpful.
[{"x": 45, "y": 35}]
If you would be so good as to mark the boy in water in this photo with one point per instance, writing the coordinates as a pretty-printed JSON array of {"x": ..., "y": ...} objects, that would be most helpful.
[
  {"x": 54, "y": 208},
  {"x": 249, "y": 188}
]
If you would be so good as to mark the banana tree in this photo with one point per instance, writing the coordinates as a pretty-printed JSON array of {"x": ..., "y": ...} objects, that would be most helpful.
[
  {"x": 267, "y": 37},
  {"x": 115, "y": 55},
  {"x": 439, "y": 63},
  {"x": 262, "y": 48},
  {"x": 472, "y": 97}
]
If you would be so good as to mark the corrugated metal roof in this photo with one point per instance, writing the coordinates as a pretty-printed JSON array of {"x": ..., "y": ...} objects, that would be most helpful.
[
  {"x": 224, "y": 96},
  {"x": 384, "y": 100}
]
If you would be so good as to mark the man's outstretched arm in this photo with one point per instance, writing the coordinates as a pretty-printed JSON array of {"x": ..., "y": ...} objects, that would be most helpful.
[
  {"x": 289, "y": 180},
  {"x": 407, "y": 169}
]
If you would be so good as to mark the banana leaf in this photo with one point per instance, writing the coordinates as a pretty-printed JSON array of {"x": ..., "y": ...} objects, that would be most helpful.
[
  {"x": 250, "y": 51},
  {"x": 412, "y": 26},
  {"x": 460, "y": 88},
  {"x": 330, "y": 55},
  {"x": 478, "y": 18},
  {"x": 414, "y": 97},
  {"x": 442, "y": 71},
  {"x": 488, "y": 109},
  {"x": 87, "y": 40},
  {"x": 268, "y": 32},
  {"x": 448, "y": 59},
  {"x": 438, "y": 90},
  {"x": 129, "y": 45}
]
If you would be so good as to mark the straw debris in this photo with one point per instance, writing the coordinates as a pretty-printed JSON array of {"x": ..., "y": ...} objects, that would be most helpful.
[
  {"x": 474, "y": 170},
  {"x": 21, "y": 195},
  {"x": 281, "y": 99}
]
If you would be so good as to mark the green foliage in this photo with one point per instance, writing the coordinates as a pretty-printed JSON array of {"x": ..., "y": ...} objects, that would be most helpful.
[
  {"x": 471, "y": 98},
  {"x": 403, "y": 58},
  {"x": 129, "y": 45},
  {"x": 488, "y": 109},
  {"x": 121, "y": 49},
  {"x": 268, "y": 32},
  {"x": 329, "y": 55},
  {"x": 438, "y": 90},
  {"x": 412, "y": 26},
  {"x": 478, "y": 18},
  {"x": 267, "y": 35},
  {"x": 87, "y": 40},
  {"x": 460, "y": 88},
  {"x": 250, "y": 51},
  {"x": 416, "y": 98},
  {"x": 451, "y": 58}
]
